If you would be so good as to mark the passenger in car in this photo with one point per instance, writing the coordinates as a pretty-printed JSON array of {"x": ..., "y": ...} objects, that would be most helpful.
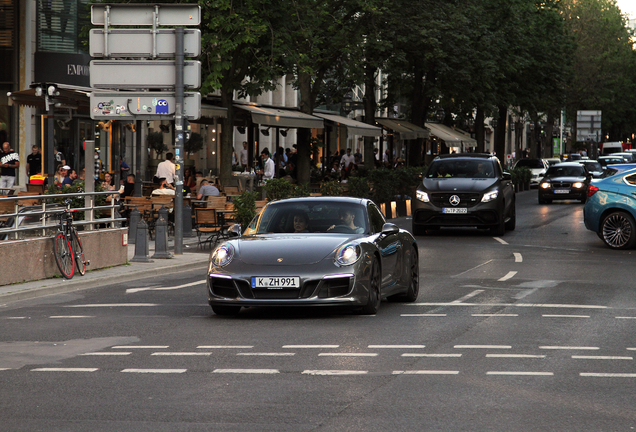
[{"x": 301, "y": 222}]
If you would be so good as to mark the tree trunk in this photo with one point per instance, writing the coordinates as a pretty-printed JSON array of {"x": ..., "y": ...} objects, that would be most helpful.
[
  {"x": 480, "y": 134},
  {"x": 227, "y": 138},
  {"x": 304, "y": 135},
  {"x": 500, "y": 133},
  {"x": 547, "y": 145},
  {"x": 370, "y": 105}
]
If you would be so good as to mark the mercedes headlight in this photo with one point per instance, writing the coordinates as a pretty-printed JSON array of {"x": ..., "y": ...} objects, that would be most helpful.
[
  {"x": 222, "y": 255},
  {"x": 422, "y": 196},
  {"x": 348, "y": 254},
  {"x": 490, "y": 196},
  {"x": 577, "y": 185}
]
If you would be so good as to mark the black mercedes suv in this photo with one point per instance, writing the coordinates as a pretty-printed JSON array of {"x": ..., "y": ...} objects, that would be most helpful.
[{"x": 465, "y": 190}]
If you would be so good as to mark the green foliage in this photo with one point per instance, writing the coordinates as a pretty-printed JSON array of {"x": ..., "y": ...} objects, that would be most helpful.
[
  {"x": 194, "y": 144},
  {"x": 155, "y": 142},
  {"x": 331, "y": 188},
  {"x": 301, "y": 190},
  {"x": 76, "y": 202},
  {"x": 245, "y": 208},
  {"x": 278, "y": 188},
  {"x": 358, "y": 187},
  {"x": 525, "y": 174}
]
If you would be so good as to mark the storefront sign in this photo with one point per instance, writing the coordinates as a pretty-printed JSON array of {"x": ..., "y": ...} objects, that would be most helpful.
[{"x": 62, "y": 68}]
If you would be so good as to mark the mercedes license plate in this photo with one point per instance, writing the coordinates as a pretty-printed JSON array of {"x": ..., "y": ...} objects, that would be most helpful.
[
  {"x": 275, "y": 282},
  {"x": 454, "y": 210},
  {"x": 561, "y": 191}
]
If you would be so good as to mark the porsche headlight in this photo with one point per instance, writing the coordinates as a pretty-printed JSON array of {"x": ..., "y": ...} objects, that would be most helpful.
[
  {"x": 577, "y": 185},
  {"x": 223, "y": 255},
  {"x": 545, "y": 185},
  {"x": 422, "y": 196},
  {"x": 490, "y": 196},
  {"x": 348, "y": 254}
]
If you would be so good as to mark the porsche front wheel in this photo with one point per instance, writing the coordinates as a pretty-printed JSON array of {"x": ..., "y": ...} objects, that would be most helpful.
[{"x": 375, "y": 297}]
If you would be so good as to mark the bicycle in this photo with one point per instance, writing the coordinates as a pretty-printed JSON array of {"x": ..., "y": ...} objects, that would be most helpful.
[{"x": 69, "y": 253}]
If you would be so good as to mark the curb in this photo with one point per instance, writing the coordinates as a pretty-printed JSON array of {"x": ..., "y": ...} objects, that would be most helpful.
[{"x": 80, "y": 283}]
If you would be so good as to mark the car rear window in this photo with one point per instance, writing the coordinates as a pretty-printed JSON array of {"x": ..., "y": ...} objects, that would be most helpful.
[
  {"x": 566, "y": 171},
  {"x": 461, "y": 168}
]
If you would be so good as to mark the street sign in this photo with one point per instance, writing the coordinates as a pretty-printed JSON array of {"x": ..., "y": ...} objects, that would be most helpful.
[
  {"x": 142, "y": 105},
  {"x": 142, "y": 74},
  {"x": 588, "y": 125},
  {"x": 144, "y": 14},
  {"x": 141, "y": 43}
]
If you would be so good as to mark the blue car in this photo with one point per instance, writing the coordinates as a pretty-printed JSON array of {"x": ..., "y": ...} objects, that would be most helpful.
[{"x": 610, "y": 210}]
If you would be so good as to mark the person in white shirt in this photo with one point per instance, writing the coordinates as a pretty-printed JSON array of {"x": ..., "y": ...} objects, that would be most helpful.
[
  {"x": 347, "y": 161},
  {"x": 166, "y": 169},
  {"x": 164, "y": 188},
  {"x": 244, "y": 154},
  {"x": 268, "y": 165}
]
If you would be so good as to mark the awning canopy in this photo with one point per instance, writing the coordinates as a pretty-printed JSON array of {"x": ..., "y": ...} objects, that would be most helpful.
[
  {"x": 211, "y": 111},
  {"x": 354, "y": 127},
  {"x": 69, "y": 97},
  {"x": 279, "y": 117},
  {"x": 406, "y": 130},
  {"x": 451, "y": 136}
]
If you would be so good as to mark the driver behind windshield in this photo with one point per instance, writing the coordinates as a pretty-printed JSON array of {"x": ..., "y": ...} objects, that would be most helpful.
[{"x": 347, "y": 219}]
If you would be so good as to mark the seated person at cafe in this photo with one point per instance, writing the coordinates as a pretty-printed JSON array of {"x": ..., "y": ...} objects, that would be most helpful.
[
  {"x": 301, "y": 222},
  {"x": 164, "y": 188},
  {"x": 206, "y": 190},
  {"x": 129, "y": 186}
]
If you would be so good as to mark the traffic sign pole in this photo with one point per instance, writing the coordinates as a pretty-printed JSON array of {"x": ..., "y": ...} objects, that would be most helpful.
[{"x": 178, "y": 125}]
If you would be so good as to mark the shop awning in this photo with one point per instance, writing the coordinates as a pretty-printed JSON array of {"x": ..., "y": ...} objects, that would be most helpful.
[
  {"x": 354, "y": 127},
  {"x": 69, "y": 97},
  {"x": 406, "y": 130},
  {"x": 280, "y": 117},
  {"x": 451, "y": 136},
  {"x": 211, "y": 111}
]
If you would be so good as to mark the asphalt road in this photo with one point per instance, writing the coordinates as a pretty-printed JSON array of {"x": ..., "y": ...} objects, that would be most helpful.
[{"x": 530, "y": 331}]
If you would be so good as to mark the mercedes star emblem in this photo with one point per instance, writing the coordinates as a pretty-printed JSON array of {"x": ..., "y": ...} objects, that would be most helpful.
[{"x": 454, "y": 200}]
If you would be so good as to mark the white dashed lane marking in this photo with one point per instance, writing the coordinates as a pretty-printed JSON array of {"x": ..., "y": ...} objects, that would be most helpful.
[
  {"x": 348, "y": 355},
  {"x": 159, "y": 371},
  {"x": 608, "y": 375},
  {"x": 273, "y": 354},
  {"x": 564, "y": 316},
  {"x": 225, "y": 346},
  {"x": 430, "y": 355},
  {"x": 495, "y": 315},
  {"x": 396, "y": 346},
  {"x": 135, "y": 290},
  {"x": 482, "y": 347},
  {"x": 247, "y": 371},
  {"x": 514, "y": 356},
  {"x": 423, "y": 315},
  {"x": 71, "y": 316},
  {"x": 140, "y": 347},
  {"x": 181, "y": 354},
  {"x": 510, "y": 275},
  {"x": 500, "y": 241},
  {"x": 582, "y": 348},
  {"x": 520, "y": 373},
  {"x": 64, "y": 369},
  {"x": 580, "y": 357},
  {"x": 518, "y": 257},
  {"x": 334, "y": 372},
  {"x": 426, "y": 372},
  {"x": 467, "y": 296},
  {"x": 310, "y": 346},
  {"x": 120, "y": 353}
]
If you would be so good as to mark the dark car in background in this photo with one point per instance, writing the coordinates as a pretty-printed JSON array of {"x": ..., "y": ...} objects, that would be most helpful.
[
  {"x": 610, "y": 160},
  {"x": 593, "y": 167},
  {"x": 465, "y": 190},
  {"x": 564, "y": 181}
]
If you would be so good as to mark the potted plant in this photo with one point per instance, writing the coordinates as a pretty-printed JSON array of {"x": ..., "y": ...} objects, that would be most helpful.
[{"x": 155, "y": 142}]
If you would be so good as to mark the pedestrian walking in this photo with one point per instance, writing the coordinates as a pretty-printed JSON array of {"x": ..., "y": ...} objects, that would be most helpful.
[{"x": 9, "y": 162}]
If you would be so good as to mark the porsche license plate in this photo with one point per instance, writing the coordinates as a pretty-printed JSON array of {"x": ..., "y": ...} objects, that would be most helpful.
[
  {"x": 275, "y": 282},
  {"x": 561, "y": 191},
  {"x": 454, "y": 210}
]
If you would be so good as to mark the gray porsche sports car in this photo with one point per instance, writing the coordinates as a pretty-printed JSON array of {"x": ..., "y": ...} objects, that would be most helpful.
[{"x": 318, "y": 251}]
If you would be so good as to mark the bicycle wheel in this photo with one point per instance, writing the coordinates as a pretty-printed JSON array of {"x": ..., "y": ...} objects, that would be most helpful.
[
  {"x": 63, "y": 256},
  {"x": 78, "y": 253}
]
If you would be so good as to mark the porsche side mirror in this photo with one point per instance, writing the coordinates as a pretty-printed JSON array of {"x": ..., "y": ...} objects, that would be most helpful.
[
  {"x": 234, "y": 230},
  {"x": 389, "y": 228}
]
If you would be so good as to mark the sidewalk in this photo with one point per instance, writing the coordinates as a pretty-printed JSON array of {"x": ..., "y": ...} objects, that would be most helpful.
[{"x": 193, "y": 259}]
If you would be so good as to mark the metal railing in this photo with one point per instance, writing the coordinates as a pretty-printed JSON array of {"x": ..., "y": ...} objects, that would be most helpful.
[{"x": 36, "y": 217}]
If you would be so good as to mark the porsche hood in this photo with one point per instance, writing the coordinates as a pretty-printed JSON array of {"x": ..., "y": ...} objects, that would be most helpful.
[{"x": 291, "y": 249}]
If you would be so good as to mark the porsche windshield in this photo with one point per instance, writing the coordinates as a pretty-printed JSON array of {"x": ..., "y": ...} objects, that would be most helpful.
[
  {"x": 457, "y": 168},
  {"x": 313, "y": 217}
]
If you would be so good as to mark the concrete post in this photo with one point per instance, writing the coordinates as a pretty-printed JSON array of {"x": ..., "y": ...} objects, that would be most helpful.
[
  {"x": 187, "y": 221},
  {"x": 135, "y": 217},
  {"x": 161, "y": 235},
  {"x": 142, "y": 248}
]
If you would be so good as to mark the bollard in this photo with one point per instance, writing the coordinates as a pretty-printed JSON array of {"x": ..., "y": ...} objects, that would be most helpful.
[
  {"x": 187, "y": 221},
  {"x": 161, "y": 235},
  {"x": 135, "y": 217},
  {"x": 141, "y": 243}
]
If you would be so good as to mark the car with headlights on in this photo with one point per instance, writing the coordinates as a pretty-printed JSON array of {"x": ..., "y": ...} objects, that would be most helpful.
[
  {"x": 465, "y": 190},
  {"x": 610, "y": 210},
  {"x": 315, "y": 251},
  {"x": 564, "y": 181},
  {"x": 537, "y": 167}
]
